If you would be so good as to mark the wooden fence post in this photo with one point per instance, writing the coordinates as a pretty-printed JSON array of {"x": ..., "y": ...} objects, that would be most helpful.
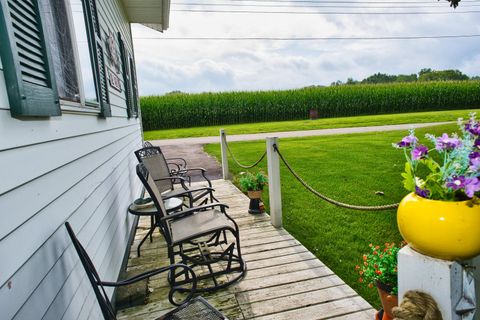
[
  {"x": 274, "y": 188},
  {"x": 223, "y": 146}
]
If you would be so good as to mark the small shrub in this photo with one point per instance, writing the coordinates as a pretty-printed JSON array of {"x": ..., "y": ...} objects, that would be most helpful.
[
  {"x": 253, "y": 182},
  {"x": 380, "y": 265}
]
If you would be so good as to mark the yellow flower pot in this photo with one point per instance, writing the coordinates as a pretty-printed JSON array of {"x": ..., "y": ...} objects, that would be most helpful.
[{"x": 440, "y": 229}]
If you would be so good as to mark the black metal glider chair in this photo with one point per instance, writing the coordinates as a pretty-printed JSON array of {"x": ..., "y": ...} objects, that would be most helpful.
[
  {"x": 177, "y": 166},
  {"x": 196, "y": 308},
  {"x": 204, "y": 238},
  {"x": 165, "y": 178}
]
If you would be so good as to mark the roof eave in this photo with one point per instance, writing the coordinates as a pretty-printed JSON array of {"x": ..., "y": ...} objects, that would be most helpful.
[{"x": 154, "y": 14}]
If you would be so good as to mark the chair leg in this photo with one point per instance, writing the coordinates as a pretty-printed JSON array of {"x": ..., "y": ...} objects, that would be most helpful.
[
  {"x": 202, "y": 254},
  {"x": 149, "y": 234},
  {"x": 152, "y": 225}
]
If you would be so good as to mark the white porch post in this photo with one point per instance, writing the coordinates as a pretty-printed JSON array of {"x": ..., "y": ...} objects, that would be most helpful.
[
  {"x": 448, "y": 282},
  {"x": 223, "y": 147},
  {"x": 274, "y": 188}
]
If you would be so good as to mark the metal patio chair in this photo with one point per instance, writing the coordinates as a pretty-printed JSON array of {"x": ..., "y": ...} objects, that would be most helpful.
[
  {"x": 165, "y": 179},
  {"x": 175, "y": 164},
  {"x": 198, "y": 238},
  {"x": 196, "y": 308}
]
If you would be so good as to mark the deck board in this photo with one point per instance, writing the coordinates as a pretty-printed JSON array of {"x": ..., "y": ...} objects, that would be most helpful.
[{"x": 284, "y": 280}]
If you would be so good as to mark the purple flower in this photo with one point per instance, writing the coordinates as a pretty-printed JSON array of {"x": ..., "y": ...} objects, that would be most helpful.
[
  {"x": 446, "y": 143},
  {"x": 456, "y": 183},
  {"x": 422, "y": 192},
  {"x": 473, "y": 128},
  {"x": 474, "y": 160},
  {"x": 419, "y": 152},
  {"x": 407, "y": 141},
  {"x": 477, "y": 143},
  {"x": 472, "y": 185},
  {"x": 474, "y": 154}
]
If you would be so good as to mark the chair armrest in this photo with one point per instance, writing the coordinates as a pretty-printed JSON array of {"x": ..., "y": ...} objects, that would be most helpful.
[
  {"x": 177, "y": 193},
  {"x": 196, "y": 169},
  {"x": 192, "y": 169},
  {"x": 169, "y": 178},
  {"x": 176, "y": 165},
  {"x": 154, "y": 272},
  {"x": 190, "y": 211},
  {"x": 181, "y": 159}
]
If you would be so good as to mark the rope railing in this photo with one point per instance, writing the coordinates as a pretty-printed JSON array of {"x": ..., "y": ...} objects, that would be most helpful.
[
  {"x": 240, "y": 164},
  {"x": 328, "y": 199}
]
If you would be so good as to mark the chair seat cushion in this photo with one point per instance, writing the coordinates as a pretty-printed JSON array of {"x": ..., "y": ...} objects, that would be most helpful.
[{"x": 200, "y": 223}]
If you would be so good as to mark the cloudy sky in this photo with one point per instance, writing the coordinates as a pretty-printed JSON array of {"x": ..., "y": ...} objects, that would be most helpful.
[{"x": 204, "y": 65}]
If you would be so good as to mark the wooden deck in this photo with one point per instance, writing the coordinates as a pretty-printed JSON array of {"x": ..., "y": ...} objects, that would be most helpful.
[{"x": 284, "y": 280}]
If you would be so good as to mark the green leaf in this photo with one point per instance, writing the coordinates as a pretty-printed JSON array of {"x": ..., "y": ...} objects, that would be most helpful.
[
  {"x": 432, "y": 165},
  {"x": 408, "y": 178}
]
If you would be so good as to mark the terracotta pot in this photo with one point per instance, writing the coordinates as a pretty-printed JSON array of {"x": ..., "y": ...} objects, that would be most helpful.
[
  {"x": 257, "y": 194},
  {"x": 440, "y": 229},
  {"x": 388, "y": 301}
]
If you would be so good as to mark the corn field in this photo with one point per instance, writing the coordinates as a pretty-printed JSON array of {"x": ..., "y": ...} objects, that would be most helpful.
[{"x": 206, "y": 109}]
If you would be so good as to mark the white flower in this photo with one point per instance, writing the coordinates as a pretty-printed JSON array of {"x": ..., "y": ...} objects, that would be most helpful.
[{"x": 419, "y": 182}]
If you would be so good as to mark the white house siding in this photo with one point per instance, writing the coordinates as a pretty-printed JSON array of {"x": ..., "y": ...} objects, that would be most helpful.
[{"x": 78, "y": 168}]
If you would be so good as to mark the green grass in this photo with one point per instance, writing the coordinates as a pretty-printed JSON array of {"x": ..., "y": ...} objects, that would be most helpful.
[
  {"x": 349, "y": 168},
  {"x": 347, "y": 122}
]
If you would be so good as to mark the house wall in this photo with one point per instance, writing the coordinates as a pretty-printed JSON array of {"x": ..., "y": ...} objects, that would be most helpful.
[{"x": 78, "y": 168}]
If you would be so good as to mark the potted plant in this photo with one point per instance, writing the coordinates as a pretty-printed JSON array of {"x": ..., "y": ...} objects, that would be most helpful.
[
  {"x": 441, "y": 215},
  {"x": 253, "y": 184},
  {"x": 379, "y": 269}
]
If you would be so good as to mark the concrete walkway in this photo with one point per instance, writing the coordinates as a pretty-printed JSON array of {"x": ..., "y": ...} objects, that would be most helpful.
[{"x": 294, "y": 134}]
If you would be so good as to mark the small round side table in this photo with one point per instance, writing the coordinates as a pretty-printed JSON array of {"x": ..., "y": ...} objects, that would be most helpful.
[{"x": 171, "y": 205}]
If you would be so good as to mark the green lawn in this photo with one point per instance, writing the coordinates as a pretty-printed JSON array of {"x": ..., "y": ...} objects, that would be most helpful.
[
  {"x": 361, "y": 121},
  {"x": 350, "y": 168}
]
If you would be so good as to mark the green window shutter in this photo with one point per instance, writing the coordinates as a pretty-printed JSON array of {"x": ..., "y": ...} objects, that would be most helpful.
[
  {"x": 127, "y": 83},
  {"x": 98, "y": 55},
  {"x": 133, "y": 76},
  {"x": 26, "y": 60}
]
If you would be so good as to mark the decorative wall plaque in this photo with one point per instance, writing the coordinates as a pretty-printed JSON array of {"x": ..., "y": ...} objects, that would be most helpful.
[
  {"x": 113, "y": 54},
  {"x": 114, "y": 80}
]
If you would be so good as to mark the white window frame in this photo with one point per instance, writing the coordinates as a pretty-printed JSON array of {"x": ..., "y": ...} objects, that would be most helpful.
[{"x": 82, "y": 106}]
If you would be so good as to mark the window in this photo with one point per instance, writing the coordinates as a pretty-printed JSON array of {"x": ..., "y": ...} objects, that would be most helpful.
[
  {"x": 84, "y": 52},
  {"x": 60, "y": 41},
  {"x": 56, "y": 45},
  {"x": 71, "y": 58},
  {"x": 97, "y": 54}
]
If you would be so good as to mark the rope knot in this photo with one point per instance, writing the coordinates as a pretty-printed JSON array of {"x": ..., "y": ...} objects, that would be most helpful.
[{"x": 417, "y": 305}]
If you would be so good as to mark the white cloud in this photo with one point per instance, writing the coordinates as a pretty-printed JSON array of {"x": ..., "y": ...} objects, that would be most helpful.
[{"x": 197, "y": 66}]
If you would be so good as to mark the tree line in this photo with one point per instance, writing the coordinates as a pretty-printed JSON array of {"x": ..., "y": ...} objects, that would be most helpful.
[{"x": 425, "y": 74}]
